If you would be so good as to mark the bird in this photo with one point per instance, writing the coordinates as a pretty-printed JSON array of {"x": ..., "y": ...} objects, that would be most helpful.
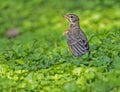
[{"x": 76, "y": 38}]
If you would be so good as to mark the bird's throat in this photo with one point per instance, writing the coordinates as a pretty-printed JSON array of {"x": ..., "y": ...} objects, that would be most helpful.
[{"x": 74, "y": 25}]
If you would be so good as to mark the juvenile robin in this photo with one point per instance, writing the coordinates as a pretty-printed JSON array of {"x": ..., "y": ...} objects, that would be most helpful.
[{"x": 76, "y": 38}]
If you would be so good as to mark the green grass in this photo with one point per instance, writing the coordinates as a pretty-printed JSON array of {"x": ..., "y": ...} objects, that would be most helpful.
[{"x": 38, "y": 60}]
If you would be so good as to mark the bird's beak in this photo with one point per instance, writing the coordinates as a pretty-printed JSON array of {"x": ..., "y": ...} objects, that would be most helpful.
[{"x": 66, "y": 16}]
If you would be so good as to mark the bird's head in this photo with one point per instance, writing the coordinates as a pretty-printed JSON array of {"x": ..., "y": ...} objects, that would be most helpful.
[{"x": 72, "y": 18}]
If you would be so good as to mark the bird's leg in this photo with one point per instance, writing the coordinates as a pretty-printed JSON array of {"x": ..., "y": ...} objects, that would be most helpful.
[{"x": 89, "y": 56}]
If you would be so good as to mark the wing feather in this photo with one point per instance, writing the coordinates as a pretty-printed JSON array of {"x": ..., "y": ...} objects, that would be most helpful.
[{"x": 78, "y": 43}]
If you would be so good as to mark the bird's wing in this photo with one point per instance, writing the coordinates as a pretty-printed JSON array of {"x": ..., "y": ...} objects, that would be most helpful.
[{"x": 78, "y": 44}]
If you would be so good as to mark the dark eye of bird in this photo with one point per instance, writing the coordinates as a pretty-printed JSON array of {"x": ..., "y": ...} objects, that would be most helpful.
[{"x": 71, "y": 16}]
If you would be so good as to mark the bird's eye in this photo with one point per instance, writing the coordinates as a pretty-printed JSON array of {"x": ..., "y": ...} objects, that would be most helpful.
[{"x": 71, "y": 16}]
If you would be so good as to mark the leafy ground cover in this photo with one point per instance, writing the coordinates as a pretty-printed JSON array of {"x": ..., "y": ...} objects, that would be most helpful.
[{"x": 38, "y": 59}]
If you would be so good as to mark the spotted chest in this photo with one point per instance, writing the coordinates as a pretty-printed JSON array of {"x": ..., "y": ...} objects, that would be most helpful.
[{"x": 72, "y": 36}]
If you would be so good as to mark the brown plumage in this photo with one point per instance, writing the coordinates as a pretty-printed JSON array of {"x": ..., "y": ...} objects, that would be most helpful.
[{"x": 76, "y": 38}]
